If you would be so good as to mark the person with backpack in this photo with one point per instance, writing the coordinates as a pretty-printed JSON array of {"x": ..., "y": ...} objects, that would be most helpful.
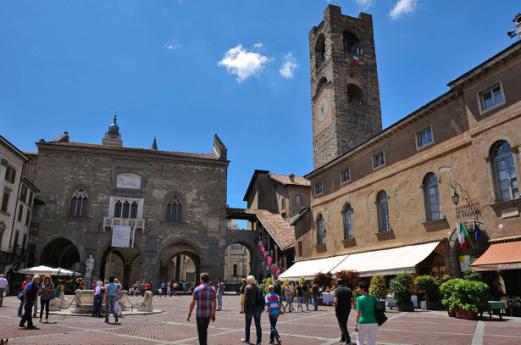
[
  {"x": 366, "y": 323},
  {"x": 29, "y": 299},
  {"x": 253, "y": 307},
  {"x": 275, "y": 309}
]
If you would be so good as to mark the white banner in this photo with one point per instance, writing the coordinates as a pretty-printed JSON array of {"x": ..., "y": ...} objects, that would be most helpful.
[{"x": 122, "y": 236}]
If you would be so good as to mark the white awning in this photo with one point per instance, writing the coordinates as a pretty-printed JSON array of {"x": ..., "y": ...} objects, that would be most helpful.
[
  {"x": 388, "y": 261},
  {"x": 309, "y": 268}
]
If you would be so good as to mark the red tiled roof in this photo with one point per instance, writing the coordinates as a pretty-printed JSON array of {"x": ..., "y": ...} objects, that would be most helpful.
[
  {"x": 287, "y": 180},
  {"x": 135, "y": 150},
  {"x": 279, "y": 228}
]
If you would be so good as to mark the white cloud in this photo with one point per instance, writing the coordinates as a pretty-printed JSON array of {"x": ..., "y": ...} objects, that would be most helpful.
[
  {"x": 172, "y": 45},
  {"x": 243, "y": 63},
  {"x": 287, "y": 70},
  {"x": 402, "y": 7},
  {"x": 365, "y": 4},
  {"x": 258, "y": 45}
]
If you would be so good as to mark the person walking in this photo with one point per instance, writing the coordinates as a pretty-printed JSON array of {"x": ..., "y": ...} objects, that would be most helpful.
[
  {"x": 98, "y": 296},
  {"x": 366, "y": 324},
  {"x": 315, "y": 292},
  {"x": 300, "y": 294},
  {"x": 204, "y": 297},
  {"x": 275, "y": 309},
  {"x": 30, "y": 296},
  {"x": 288, "y": 292},
  {"x": 3, "y": 286},
  {"x": 305, "y": 295},
  {"x": 253, "y": 307},
  {"x": 343, "y": 298},
  {"x": 21, "y": 293},
  {"x": 46, "y": 293},
  {"x": 111, "y": 293},
  {"x": 220, "y": 293}
]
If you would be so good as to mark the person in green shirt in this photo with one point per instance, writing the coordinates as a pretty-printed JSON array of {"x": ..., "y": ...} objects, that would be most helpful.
[{"x": 366, "y": 324}]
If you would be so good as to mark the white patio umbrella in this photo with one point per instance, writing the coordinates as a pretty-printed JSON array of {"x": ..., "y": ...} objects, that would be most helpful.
[
  {"x": 39, "y": 270},
  {"x": 62, "y": 272}
]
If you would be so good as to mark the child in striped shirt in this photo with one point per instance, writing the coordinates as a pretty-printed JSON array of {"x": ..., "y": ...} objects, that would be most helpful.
[{"x": 274, "y": 308}]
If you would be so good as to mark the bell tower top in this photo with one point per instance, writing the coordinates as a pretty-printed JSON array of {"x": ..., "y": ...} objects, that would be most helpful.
[
  {"x": 113, "y": 137},
  {"x": 344, "y": 84}
]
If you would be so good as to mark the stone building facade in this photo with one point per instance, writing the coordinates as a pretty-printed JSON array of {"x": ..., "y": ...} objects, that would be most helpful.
[
  {"x": 345, "y": 97},
  {"x": 175, "y": 202},
  {"x": 455, "y": 159},
  {"x": 16, "y": 203}
]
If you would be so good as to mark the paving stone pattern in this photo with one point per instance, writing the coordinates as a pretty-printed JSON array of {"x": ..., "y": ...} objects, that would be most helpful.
[{"x": 320, "y": 327}]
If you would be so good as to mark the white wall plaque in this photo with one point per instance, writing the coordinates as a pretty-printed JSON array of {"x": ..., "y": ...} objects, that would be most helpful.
[{"x": 128, "y": 181}]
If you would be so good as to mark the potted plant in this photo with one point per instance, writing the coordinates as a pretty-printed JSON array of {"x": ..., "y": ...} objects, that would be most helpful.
[
  {"x": 401, "y": 287},
  {"x": 464, "y": 299},
  {"x": 429, "y": 286},
  {"x": 323, "y": 279},
  {"x": 379, "y": 289}
]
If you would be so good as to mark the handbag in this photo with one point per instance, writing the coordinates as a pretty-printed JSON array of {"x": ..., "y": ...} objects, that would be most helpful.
[{"x": 379, "y": 313}]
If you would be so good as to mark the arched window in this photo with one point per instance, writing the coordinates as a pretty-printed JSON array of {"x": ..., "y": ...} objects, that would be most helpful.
[
  {"x": 351, "y": 44},
  {"x": 354, "y": 94},
  {"x": 505, "y": 175},
  {"x": 117, "y": 209},
  {"x": 174, "y": 210},
  {"x": 126, "y": 210},
  {"x": 320, "y": 50},
  {"x": 383, "y": 211},
  {"x": 321, "y": 83},
  {"x": 320, "y": 229},
  {"x": 133, "y": 210},
  {"x": 432, "y": 197},
  {"x": 347, "y": 215},
  {"x": 79, "y": 204}
]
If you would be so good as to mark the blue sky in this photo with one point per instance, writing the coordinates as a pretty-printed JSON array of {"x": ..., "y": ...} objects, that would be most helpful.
[{"x": 183, "y": 70}]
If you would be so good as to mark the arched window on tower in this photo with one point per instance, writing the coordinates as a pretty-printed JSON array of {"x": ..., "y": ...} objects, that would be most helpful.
[
  {"x": 382, "y": 208},
  {"x": 320, "y": 229},
  {"x": 79, "y": 204},
  {"x": 432, "y": 197},
  {"x": 351, "y": 44},
  {"x": 347, "y": 215},
  {"x": 504, "y": 171},
  {"x": 321, "y": 83},
  {"x": 354, "y": 94},
  {"x": 320, "y": 50},
  {"x": 174, "y": 210}
]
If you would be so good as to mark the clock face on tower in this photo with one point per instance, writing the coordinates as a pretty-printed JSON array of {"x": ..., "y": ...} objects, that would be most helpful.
[{"x": 323, "y": 109}]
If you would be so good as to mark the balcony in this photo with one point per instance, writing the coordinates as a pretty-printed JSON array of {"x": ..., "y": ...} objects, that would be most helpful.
[{"x": 137, "y": 224}]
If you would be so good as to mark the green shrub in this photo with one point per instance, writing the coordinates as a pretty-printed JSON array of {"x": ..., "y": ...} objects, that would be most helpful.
[
  {"x": 265, "y": 283},
  {"x": 428, "y": 285},
  {"x": 464, "y": 294},
  {"x": 401, "y": 286},
  {"x": 302, "y": 281},
  {"x": 377, "y": 287}
]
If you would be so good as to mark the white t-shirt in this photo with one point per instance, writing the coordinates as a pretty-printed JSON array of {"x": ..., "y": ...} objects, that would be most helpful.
[{"x": 3, "y": 283}]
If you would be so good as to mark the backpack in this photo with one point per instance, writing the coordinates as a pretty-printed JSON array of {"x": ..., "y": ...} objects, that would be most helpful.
[{"x": 260, "y": 302}]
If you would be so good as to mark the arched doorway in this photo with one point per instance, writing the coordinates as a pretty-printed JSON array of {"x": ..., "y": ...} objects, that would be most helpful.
[
  {"x": 121, "y": 263},
  {"x": 61, "y": 253},
  {"x": 237, "y": 263},
  {"x": 180, "y": 262}
]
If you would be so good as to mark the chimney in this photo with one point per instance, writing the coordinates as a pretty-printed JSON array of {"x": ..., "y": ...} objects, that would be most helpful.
[{"x": 292, "y": 177}]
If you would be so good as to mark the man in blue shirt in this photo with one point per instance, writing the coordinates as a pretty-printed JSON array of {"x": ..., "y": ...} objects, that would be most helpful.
[
  {"x": 111, "y": 293},
  {"x": 30, "y": 295}
]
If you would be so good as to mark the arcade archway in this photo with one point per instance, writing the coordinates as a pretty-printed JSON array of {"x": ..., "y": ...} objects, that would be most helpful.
[
  {"x": 61, "y": 253},
  {"x": 121, "y": 263},
  {"x": 180, "y": 262},
  {"x": 237, "y": 263}
]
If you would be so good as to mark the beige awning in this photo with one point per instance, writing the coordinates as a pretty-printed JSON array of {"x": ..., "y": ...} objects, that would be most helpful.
[
  {"x": 499, "y": 257},
  {"x": 387, "y": 261},
  {"x": 309, "y": 268}
]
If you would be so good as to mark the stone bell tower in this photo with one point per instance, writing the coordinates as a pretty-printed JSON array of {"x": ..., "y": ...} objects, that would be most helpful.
[
  {"x": 113, "y": 137},
  {"x": 344, "y": 84}
]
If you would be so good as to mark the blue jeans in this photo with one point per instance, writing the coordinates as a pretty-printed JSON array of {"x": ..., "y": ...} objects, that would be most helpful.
[
  {"x": 219, "y": 301},
  {"x": 256, "y": 314},
  {"x": 109, "y": 308},
  {"x": 315, "y": 302},
  {"x": 96, "y": 306},
  {"x": 274, "y": 334}
]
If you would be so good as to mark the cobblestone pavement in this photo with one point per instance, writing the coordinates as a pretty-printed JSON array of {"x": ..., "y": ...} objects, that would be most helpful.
[{"x": 171, "y": 327}]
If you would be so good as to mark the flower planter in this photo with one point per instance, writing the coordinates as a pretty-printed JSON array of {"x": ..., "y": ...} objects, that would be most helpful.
[
  {"x": 451, "y": 313},
  {"x": 466, "y": 315},
  {"x": 405, "y": 307}
]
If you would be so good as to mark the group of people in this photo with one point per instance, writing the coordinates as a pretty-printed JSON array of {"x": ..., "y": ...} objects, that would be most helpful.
[
  {"x": 109, "y": 294},
  {"x": 28, "y": 295}
]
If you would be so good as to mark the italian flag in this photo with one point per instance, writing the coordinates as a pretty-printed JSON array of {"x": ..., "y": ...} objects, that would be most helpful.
[{"x": 463, "y": 236}]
